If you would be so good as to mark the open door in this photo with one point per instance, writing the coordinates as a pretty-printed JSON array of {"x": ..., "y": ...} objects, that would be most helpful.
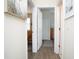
[
  {"x": 39, "y": 20},
  {"x": 36, "y": 29}
]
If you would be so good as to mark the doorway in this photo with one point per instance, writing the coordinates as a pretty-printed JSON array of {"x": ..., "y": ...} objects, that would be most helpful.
[
  {"x": 38, "y": 36},
  {"x": 51, "y": 43},
  {"x": 48, "y": 28},
  {"x": 43, "y": 46}
]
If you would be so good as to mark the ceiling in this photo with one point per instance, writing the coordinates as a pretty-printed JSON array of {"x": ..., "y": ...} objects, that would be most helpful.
[{"x": 43, "y": 2}]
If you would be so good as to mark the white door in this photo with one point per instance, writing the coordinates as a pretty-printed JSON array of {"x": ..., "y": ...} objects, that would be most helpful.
[
  {"x": 34, "y": 30},
  {"x": 39, "y": 17}
]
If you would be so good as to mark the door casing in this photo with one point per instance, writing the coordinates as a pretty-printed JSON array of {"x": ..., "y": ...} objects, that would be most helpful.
[{"x": 56, "y": 41}]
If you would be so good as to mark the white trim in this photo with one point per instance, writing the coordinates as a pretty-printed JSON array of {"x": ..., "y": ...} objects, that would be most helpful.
[
  {"x": 45, "y": 6},
  {"x": 56, "y": 30}
]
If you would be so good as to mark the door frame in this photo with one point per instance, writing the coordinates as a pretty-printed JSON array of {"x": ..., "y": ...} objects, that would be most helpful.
[{"x": 56, "y": 47}]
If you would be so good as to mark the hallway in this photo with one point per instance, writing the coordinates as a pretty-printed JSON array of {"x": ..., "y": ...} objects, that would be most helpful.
[
  {"x": 30, "y": 25},
  {"x": 45, "y": 52}
]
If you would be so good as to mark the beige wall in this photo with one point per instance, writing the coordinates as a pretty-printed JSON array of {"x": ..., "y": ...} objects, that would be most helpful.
[{"x": 14, "y": 38}]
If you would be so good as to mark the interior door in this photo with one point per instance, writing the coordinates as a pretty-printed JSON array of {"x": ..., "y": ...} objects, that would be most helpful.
[
  {"x": 39, "y": 22},
  {"x": 34, "y": 30}
]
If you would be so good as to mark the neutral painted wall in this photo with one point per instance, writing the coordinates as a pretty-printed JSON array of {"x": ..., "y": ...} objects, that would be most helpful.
[
  {"x": 46, "y": 26},
  {"x": 48, "y": 22},
  {"x": 68, "y": 52},
  {"x": 15, "y": 44}
]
